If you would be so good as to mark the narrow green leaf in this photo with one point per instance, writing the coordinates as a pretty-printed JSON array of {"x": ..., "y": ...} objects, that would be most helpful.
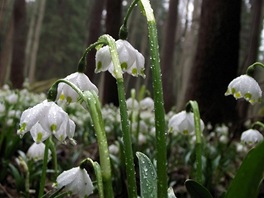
[
  {"x": 249, "y": 175},
  {"x": 148, "y": 177},
  {"x": 197, "y": 190}
]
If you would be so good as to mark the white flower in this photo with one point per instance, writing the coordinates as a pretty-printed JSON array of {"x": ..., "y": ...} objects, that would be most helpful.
[
  {"x": 251, "y": 136},
  {"x": 66, "y": 93},
  {"x": 131, "y": 60},
  {"x": 2, "y": 108},
  {"x": 132, "y": 104},
  {"x": 77, "y": 181},
  {"x": 183, "y": 122},
  {"x": 12, "y": 98},
  {"x": 36, "y": 151},
  {"x": 113, "y": 149},
  {"x": 44, "y": 119},
  {"x": 147, "y": 104},
  {"x": 245, "y": 87}
]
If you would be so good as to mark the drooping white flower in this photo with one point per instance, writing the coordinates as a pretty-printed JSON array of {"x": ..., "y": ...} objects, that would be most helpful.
[
  {"x": 67, "y": 94},
  {"x": 77, "y": 181},
  {"x": 131, "y": 60},
  {"x": 245, "y": 87},
  {"x": 251, "y": 136},
  {"x": 183, "y": 122},
  {"x": 132, "y": 104},
  {"x": 45, "y": 119},
  {"x": 36, "y": 151}
]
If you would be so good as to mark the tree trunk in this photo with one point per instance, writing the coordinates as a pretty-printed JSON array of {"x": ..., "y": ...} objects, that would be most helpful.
[
  {"x": 19, "y": 38},
  {"x": 167, "y": 55},
  {"x": 113, "y": 23},
  {"x": 6, "y": 36},
  {"x": 216, "y": 60},
  {"x": 188, "y": 55},
  {"x": 35, "y": 39},
  {"x": 252, "y": 53}
]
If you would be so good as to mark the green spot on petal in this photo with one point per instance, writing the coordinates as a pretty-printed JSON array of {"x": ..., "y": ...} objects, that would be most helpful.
[
  {"x": 62, "y": 97},
  {"x": 185, "y": 132},
  {"x": 99, "y": 66},
  {"x": 39, "y": 137},
  {"x": 134, "y": 71},
  {"x": 237, "y": 95},
  {"x": 69, "y": 99},
  {"x": 53, "y": 127},
  {"x": 233, "y": 91},
  {"x": 23, "y": 127},
  {"x": 248, "y": 96},
  {"x": 124, "y": 66}
]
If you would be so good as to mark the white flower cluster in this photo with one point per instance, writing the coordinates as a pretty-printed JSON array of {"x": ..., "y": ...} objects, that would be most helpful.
[{"x": 131, "y": 60}]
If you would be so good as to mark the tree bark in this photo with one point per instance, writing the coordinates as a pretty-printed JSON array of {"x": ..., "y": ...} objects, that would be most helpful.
[
  {"x": 216, "y": 60},
  {"x": 167, "y": 55},
  {"x": 253, "y": 49},
  {"x": 6, "y": 42},
  {"x": 19, "y": 38},
  {"x": 35, "y": 39}
]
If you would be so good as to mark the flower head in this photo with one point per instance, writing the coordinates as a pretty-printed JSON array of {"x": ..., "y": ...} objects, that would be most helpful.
[
  {"x": 183, "y": 122},
  {"x": 45, "y": 119},
  {"x": 251, "y": 136},
  {"x": 77, "y": 181},
  {"x": 66, "y": 93},
  {"x": 131, "y": 60},
  {"x": 36, "y": 151},
  {"x": 245, "y": 87}
]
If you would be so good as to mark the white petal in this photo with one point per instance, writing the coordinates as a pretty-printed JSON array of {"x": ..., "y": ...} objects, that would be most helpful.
[{"x": 38, "y": 133}]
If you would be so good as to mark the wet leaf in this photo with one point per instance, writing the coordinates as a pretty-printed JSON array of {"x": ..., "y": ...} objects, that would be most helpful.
[{"x": 148, "y": 177}]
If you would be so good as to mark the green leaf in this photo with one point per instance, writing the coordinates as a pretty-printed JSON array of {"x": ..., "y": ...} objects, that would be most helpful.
[
  {"x": 148, "y": 177},
  {"x": 249, "y": 175},
  {"x": 197, "y": 190}
]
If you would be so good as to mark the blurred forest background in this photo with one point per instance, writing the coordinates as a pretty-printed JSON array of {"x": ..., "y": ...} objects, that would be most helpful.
[{"x": 204, "y": 44}]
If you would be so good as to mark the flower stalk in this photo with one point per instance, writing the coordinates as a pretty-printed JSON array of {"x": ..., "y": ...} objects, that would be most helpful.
[
  {"x": 158, "y": 100},
  {"x": 193, "y": 105},
  {"x": 251, "y": 68},
  {"x": 128, "y": 152},
  {"x": 44, "y": 168}
]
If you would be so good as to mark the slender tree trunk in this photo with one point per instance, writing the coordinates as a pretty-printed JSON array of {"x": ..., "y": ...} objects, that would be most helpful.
[
  {"x": 29, "y": 41},
  {"x": 216, "y": 60},
  {"x": 113, "y": 23},
  {"x": 188, "y": 55},
  {"x": 35, "y": 41},
  {"x": 6, "y": 36},
  {"x": 168, "y": 47},
  {"x": 19, "y": 38},
  {"x": 253, "y": 49}
]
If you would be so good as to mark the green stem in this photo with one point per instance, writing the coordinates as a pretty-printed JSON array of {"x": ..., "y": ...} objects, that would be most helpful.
[
  {"x": 257, "y": 123},
  {"x": 44, "y": 168},
  {"x": 54, "y": 157},
  {"x": 158, "y": 100},
  {"x": 251, "y": 68},
  {"x": 128, "y": 151},
  {"x": 198, "y": 134},
  {"x": 82, "y": 61},
  {"x": 92, "y": 102}
]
